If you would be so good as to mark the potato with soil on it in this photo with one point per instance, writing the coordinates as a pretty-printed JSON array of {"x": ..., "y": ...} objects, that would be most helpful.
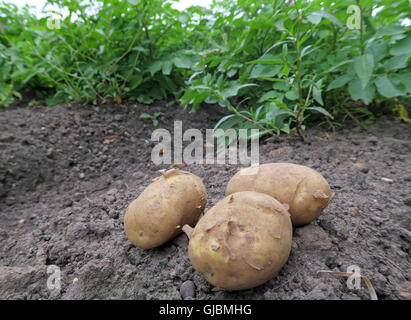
[
  {"x": 303, "y": 189},
  {"x": 168, "y": 203},
  {"x": 241, "y": 242}
]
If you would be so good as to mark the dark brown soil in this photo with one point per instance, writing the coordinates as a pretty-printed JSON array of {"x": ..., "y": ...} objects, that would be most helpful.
[{"x": 68, "y": 173}]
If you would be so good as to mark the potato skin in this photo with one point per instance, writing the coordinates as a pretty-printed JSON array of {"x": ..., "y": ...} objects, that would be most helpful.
[
  {"x": 241, "y": 242},
  {"x": 164, "y": 207},
  {"x": 305, "y": 190}
]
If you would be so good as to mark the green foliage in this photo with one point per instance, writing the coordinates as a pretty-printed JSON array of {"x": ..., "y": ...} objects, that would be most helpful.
[
  {"x": 303, "y": 60},
  {"x": 274, "y": 64},
  {"x": 137, "y": 50},
  {"x": 153, "y": 117}
]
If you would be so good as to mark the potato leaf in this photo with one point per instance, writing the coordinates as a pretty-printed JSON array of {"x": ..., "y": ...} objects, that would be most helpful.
[
  {"x": 364, "y": 66},
  {"x": 386, "y": 88},
  {"x": 357, "y": 92}
]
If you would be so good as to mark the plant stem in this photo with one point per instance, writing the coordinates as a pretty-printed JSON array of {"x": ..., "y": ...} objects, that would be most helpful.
[
  {"x": 249, "y": 119},
  {"x": 298, "y": 76},
  {"x": 353, "y": 118},
  {"x": 361, "y": 29},
  {"x": 129, "y": 73},
  {"x": 262, "y": 43}
]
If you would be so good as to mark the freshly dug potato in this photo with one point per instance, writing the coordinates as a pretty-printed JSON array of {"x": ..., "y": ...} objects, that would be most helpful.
[
  {"x": 241, "y": 242},
  {"x": 305, "y": 190},
  {"x": 164, "y": 207}
]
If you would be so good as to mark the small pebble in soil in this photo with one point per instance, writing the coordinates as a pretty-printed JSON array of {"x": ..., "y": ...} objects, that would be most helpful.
[
  {"x": 50, "y": 152},
  {"x": 113, "y": 214},
  {"x": 365, "y": 169},
  {"x": 111, "y": 198},
  {"x": 81, "y": 175},
  {"x": 112, "y": 191},
  {"x": 187, "y": 290},
  {"x": 407, "y": 202}
]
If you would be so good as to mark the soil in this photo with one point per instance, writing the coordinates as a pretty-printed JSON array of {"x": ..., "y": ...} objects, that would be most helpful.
[{"x": 68, "y": 173}]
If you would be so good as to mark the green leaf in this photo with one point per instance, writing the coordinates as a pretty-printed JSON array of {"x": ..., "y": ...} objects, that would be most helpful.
[
  {"x": 405, "y": 79},
  {"x": 266, "y": 61},
  {"x": 286, "y": 128},
  {"x": 386, "y": 88},
  {"x": 279, "y": 43},
  {"x": 291, "y": 95},
  {"x": 268, "y": 95},
  {"x": 402, "y": 47},
  {"x": 280, "y": 104},
  {"x": 135, "y": 81},
  {"x": 317, "y": 95},
  {"x": 229, "y": 123},
  {"x": 307, "y": 50},
  {"x": 166, "y": 67},
  {"x": 322, "y": 111},
  {"x": 396, "y": 62},
  {"x": 223, "y": 119},
  {"x": 340, "y": 64},
  {"x": 146, "y": 116},
  {"x": 231, "y": 73},
  {"x": 378, "y": 49},
  {"x": 339, "y": 82},
  {"x": 264, "y": 71},
  {"x": 58, "y": 98},
  {"x": 280, "y": 86},
  {"x": 357, "y": 92},
  {"x": 286, "y": 70},
  {"x": 198, "y": 99},
  {"x": 184, "y": 62},
  {"x": 183, "y": 18},
  {"x": 389, "y": 31},
  {"x": 285, "y": 50},
  {"x": 315, "y": 17},
  {"x": 272, "y": 79},
  {"x": 233, "y": 90},
  {"x": 363, "y": 66},
  {"x": 270, "y": 110},
  {"x": 136, "y": 48},
  {"x": 284, "y": 112},
  {"x": 155, "y": 67}
]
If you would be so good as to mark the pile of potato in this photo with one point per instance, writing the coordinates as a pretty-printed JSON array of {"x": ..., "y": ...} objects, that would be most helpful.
[{"x": 245, "y": 239}]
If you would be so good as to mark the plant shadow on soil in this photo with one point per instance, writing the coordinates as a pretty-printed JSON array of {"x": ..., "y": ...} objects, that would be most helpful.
[{"x": 67, "y": 174}]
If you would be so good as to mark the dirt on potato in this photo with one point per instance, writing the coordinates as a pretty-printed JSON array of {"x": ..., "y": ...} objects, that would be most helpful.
[{"x": 68, "y": 173}]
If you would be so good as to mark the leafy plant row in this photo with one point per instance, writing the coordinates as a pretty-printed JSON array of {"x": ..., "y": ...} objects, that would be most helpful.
[{"x": 273, "y": 64}]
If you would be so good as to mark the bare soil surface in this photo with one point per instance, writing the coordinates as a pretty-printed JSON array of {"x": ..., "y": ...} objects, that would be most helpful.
[{"x": 68, "y": 173}]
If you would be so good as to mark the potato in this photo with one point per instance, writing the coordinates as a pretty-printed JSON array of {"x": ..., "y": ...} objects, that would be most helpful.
[
  {"x": 241, "y": 242},
  {"x": 305, "y": 190},
  {"x": 168, "y": 203}
]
